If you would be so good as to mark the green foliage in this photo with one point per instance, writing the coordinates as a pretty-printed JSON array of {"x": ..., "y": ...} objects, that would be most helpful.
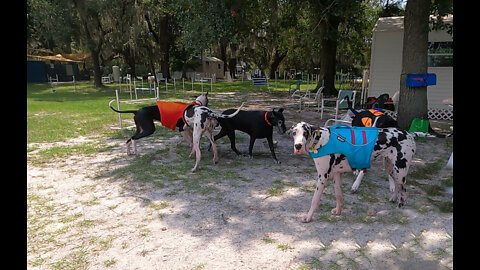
[
  {"x": 203, "y": 23},
  {"x": 268, "y": 34}
]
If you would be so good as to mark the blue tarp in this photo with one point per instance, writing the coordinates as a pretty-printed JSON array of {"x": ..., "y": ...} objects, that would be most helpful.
[{"x": 36, "y": 72}]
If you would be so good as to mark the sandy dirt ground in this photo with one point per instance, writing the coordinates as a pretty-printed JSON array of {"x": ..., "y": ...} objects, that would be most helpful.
[{"x": 107, "y": 210}]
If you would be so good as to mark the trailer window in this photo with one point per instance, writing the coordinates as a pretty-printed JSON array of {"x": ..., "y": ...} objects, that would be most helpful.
[{"x": 440, "y": 54}]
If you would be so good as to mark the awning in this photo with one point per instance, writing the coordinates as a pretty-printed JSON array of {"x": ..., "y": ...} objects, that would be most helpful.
[{"x": 75, "y": 57}]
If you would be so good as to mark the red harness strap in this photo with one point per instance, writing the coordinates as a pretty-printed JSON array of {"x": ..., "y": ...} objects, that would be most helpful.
[
  {"x": 364, "y": 142},
  {"x": 266, "y": 120},
  {"x": 364, "y": 137}
]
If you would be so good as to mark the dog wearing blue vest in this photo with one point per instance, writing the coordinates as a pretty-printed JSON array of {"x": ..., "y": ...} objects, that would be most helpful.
[{"x": 341, "y": 148}]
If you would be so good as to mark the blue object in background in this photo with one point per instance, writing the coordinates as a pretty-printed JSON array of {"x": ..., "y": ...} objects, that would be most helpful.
[
  {"x": 420, "y": 80},
  {"x": 36, "y": 72}
]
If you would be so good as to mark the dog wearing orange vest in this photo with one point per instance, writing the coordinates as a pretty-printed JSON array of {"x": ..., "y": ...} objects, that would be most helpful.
[{"x": 170, "y": 114}]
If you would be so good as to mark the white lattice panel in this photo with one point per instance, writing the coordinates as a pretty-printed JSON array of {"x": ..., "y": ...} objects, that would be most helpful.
[
  {"x": 440, "y": 114},
  {"x": 433, "y": 113}
]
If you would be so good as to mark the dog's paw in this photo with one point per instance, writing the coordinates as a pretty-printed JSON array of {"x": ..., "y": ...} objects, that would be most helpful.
[
  {"x": 306, "y": 219},
  {"x": 277, "y": 161},
  {"x": 336, "y": 212}
]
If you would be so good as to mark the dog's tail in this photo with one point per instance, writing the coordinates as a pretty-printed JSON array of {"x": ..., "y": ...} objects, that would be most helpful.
[
  {"x": 132, "y": 111},
  {"x": 220, "y": 115}
]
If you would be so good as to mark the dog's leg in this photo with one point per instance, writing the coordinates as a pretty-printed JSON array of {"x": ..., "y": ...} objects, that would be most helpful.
[
  {"x": 231, "y": 136},
  {"x": 391, "y": 183},
  {"x": 188, "y": 133},
  {"x": 128, "y": 143},
  {"x": 358, "y": 181},
  {"x": 197, "y": 134},
  {"x": 146, "y": 129},
  {"x": 400, "y": 189},
  {"x": 134, "y": 147},
  {"x": 337, "y": 179},
  {"x": 388, "y": 165},
  {"x": 214, "y": 146},
  {"x": 221, "y": 134},
  {"x": 321, "y": 183},
  {"x": 270, "y": 144},
  {"x": 389, "y": 168},
  {"x": 250, "y": 147},
  {"x": 187, "y": 137}
]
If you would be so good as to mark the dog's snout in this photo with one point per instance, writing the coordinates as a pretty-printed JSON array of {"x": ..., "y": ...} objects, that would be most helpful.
[{"x": 298, "y": 146}]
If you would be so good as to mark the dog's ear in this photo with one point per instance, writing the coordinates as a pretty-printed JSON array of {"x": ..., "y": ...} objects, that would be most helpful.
[
  {"x": 277, "y": 110},
  {"x": 290, "y": 130}
]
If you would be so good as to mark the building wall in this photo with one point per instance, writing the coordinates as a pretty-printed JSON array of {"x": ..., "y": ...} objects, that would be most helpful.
[
  {"x": 386, "y": 63},
  {"x": 213, "y": 67},
  {"x": 386, "y": 67}
]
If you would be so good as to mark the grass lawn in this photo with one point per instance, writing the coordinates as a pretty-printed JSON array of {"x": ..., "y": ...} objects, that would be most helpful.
[{"x": 65, "y": 114}]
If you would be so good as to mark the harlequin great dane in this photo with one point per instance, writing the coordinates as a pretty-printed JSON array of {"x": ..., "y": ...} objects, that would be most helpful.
[
  {"x": 203, "y": 120},
  {"x": 395, "y": 146},
  {"x": 168, "y": 113}
]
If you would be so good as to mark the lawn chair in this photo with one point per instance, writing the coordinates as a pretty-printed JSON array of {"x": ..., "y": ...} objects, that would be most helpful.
[
  {"x": 297, "y": 84},
  {"x": 307, "y": 97},
  {"x": 340, "y": 102}
]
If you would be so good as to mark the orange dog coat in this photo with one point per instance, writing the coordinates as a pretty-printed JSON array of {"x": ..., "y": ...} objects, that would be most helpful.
[{"x": 170, "y": 112}]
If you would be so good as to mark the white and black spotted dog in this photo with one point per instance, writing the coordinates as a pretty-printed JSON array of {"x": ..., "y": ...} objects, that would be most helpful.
[
  {"x": 395, "y": 146},
  {"x": 203, "y": 120}
]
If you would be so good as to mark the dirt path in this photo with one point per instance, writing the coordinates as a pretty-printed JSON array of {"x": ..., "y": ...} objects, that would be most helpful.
[{"x": 111, "y": 211}]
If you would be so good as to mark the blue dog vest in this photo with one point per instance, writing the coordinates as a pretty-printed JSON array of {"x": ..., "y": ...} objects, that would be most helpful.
[{"x": 356, "y": 143}]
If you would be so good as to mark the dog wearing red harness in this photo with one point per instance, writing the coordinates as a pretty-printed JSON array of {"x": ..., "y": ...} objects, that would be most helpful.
[{"x": 257, "y": 124}]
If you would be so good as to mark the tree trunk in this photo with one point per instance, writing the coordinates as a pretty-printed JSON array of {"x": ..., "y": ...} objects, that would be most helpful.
[
  {"x": 129, "y": 56},
  {"x": 277, "y": 59},
  {"x": 329, "y": 35},
  {"x": 92, "y": 27},
  {"x": 232, "y": 65},
  {"x": 97, "y": 73},
  {"x": 223, "y": 54},
  {"x": 164, "y": 46},
  {"x": 162, "y": 39},
  {"x": 413, "y": 101}
]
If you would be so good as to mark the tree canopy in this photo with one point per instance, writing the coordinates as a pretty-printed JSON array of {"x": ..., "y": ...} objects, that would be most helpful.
[{"x": 165, "y": 35}]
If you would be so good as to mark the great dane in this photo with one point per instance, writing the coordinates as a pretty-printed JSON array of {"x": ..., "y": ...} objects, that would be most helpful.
[
  {"x": 395, "y": 146},
  {"x": 257, "y": 124},
  {"x": 203, "y": 120}
]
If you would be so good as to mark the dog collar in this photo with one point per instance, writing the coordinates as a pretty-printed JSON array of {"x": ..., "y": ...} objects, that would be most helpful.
[
  {"x": 315, "y": 140},
  {"x": 266, "y": 120}
]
